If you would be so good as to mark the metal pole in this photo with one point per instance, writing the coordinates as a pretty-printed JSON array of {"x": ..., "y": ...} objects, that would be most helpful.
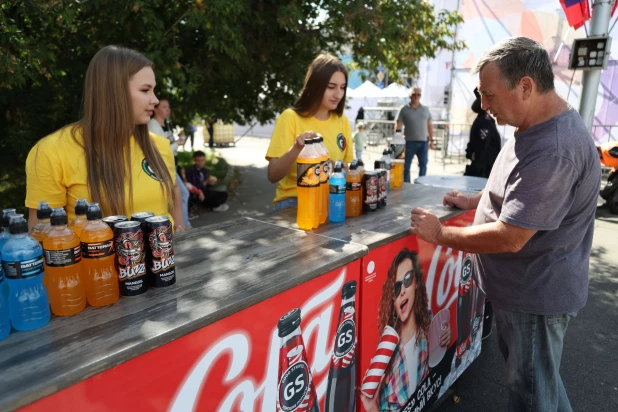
[{"x": 601, "y": 13}]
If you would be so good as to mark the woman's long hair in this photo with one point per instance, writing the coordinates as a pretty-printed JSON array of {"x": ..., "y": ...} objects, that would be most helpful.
[
  {"x": 107, "y": 125},
  {"x": 316, "y": 81},
  {"x": 420, "y": 306}
]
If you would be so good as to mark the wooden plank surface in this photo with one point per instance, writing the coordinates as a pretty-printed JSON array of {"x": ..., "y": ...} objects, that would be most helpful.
[
  {"x": 221, "y": 269},
  {"x": 383, "y": 226}
]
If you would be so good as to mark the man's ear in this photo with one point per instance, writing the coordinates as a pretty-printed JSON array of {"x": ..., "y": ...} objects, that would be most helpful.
[{"x": 527, "y": 85}]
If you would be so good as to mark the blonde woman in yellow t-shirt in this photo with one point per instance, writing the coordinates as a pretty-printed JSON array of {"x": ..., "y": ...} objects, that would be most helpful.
[
  {"x": 318, "y": 110},
  {"x": 108, "y": 156}
]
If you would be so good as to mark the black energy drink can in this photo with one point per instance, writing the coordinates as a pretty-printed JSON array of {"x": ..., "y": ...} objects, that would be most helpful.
[
  {"x": 370, "y": 194},
  {"x": 141, "y": 217},
  {"x": 112, "y": 220},
  {"x": 160, "y": 262},
  {"x": 130, "y": 258}
]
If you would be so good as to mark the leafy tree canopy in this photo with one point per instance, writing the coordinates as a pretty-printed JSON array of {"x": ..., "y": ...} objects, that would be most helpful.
[{"x": 232, "y": 59}]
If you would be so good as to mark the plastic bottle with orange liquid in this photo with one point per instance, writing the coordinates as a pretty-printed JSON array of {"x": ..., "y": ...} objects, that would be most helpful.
[
  {"x": 42, "y": 226},
  {"x": 99, "y": 271},
  {"x": 81, "y": 207},
  {"x": 353, "y": 194},
  {"x": 308, "y": 187},
  {"x": 63, "y": 264},
  {"x": 325, "y": 166}
]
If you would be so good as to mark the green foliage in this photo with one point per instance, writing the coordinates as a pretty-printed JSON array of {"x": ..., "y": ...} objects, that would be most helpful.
[{"x": 235, "y": 60}]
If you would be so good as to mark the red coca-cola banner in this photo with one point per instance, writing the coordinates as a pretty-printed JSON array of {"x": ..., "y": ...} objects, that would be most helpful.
[
  {"x": 420, "y": 322},
  {"x": 265, "y": 358}
]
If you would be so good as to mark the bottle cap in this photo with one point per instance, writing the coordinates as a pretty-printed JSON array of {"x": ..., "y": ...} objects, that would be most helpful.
[
  {"x": 289, "y": 322},
  {"x": 81, "y": 207},
  {"x": 360, "y": 163},
  {"x": 94, "y": 212},
  {"x": 59, "y": 217},
  {"x": 390, "y": 150},
  {"x": 18, "y": 224},
  {"x": 385, "y": 152},
  {"x": 338, "y": 166},
  {"x": 6, "y": 214},
  {"x": 308, "y": 141},
  {"x": 354, "y": 165},
  {"x": 316, "y": 140},
  {"x": 43, "y": 211},
  {"x": 348, "y": 290}
]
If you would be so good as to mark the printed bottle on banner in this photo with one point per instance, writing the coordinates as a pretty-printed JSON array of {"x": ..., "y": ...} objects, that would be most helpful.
[
  {"x": 42, "y": 226},
  {"x": 160, "y": 258},
  {"x": 324, "y": 176},
  {"x": 465, "y": 307},
  {"x": 308, "y": 187},
  {"x": 5, "y": 321},
  {"x": 341, "y": 389},
  {"x": 22, "y": 262},
  {"x": 353, "y": 194},
  {"x": 295, "y": 387},
  {"x": 337, "y": 206},
  {"x": 63, "y": 266},
  {"x": 81, "y": 207},
  {"x": 99, "y": 271},
  {"x": 479, "y": 304},
  {"x": 4, "y": 233}
]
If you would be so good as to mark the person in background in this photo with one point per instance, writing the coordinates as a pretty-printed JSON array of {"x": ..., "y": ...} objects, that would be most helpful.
[
  {"x": 360, "y": 138},
  {"x": 199, "y": 177},
  {"x": 484, "y": 144},
  {"x": 190, "y": 132},
  {"x": 108, "y": 156},
  {"x": 159, "y": 125},
  {"x": 318, "y": 110},
  {"x": 416, "y": 120},
  {"x": 534, "y": 223}
]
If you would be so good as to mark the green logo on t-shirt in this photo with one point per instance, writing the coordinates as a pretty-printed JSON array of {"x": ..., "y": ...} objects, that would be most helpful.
[
  {"x": 148, "y": 170},
  {"x": 341, "y": 141}
]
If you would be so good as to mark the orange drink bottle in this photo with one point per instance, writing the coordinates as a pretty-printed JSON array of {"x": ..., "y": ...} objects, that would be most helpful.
[
  {"x": 42, "y": 226},
  {"x": 63, "y": 261},
  {"x": 99, "y": 271},
  {"x": 81, "y": 207},
  {"x": 398, "y": 179},
  {"x": 308, "y": 187},
  {"x": 325, "y": 167},
  {"x": 353, "y": 194},
  {"x": 361, "y": 170}
]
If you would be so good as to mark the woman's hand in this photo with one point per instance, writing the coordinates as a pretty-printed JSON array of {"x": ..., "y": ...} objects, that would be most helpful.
[
  {"x": 179, "y": 229},
  {"x": 446, "y": 336},
  {"x": 300, "y": 139},
  {"x": 371, "y": 404}
]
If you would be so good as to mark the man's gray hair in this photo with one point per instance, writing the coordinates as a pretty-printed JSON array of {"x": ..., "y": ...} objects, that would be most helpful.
[{"x": 518, "y": 57}]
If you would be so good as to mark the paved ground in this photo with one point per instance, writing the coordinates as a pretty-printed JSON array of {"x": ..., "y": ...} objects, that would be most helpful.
[{"x": 590, "y": 359}]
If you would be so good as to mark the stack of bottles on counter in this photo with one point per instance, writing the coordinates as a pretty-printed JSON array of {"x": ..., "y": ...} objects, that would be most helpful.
[
  {"x": 94, "y": 260},
  {"x": 321, "y": 193}
]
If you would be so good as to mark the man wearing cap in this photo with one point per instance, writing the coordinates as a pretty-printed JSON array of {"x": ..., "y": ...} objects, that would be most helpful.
[{"x": 416, "y": 120}]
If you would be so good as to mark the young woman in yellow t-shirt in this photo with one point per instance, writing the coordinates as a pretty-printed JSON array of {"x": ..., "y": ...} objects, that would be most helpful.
[
  {"x": 318, "y": 110},
  {"x": 108, "y": 156}
]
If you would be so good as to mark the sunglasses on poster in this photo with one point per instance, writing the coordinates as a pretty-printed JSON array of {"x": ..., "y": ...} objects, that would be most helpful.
[{"x": 406, "y": 282}]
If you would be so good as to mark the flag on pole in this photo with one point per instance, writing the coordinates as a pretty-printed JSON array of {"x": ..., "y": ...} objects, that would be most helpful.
[{"x": 577, "y": 12}]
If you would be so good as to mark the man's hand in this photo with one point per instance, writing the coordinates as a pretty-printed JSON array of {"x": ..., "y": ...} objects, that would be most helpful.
[
  {"x": 425, "y": 225},
  {"x": 457, "y": 199}
]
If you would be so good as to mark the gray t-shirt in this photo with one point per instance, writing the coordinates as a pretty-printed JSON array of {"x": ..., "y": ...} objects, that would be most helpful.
[
  {"x": 415, "y": 122},
  {"x": 546, "y": 178}
]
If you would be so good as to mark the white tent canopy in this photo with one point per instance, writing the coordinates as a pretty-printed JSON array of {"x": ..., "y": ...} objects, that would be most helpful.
[
  {"x": 366, "y": 89},
  {"x": 396, "y": 90}
]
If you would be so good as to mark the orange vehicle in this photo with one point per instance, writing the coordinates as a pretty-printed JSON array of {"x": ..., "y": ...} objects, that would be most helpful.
[
  {"x": 308, "y": 187},
  {"x": 98, "y": 269},
  {"x": 63, "y": 264},
  {"x": 608, "y": 154}
]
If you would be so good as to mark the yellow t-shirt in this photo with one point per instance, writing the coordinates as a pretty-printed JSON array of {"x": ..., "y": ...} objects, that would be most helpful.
[
  {"x": 56, "y": 173},
  {"x": 337, "y": 136}
]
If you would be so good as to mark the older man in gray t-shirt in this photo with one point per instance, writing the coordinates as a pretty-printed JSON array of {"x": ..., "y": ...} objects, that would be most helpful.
[
  {"x": 534, "y": 222},
  {"x": 416, "y": 120}
]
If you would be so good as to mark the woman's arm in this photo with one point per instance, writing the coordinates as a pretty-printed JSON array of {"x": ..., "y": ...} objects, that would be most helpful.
[
  {"x": 176, "y": 212},
  {"x": 279, "y": 167}
]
